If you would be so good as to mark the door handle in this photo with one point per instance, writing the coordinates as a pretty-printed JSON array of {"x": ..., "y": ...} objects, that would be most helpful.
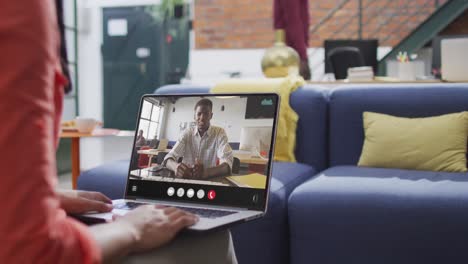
[{"x": 143, "y": 68}]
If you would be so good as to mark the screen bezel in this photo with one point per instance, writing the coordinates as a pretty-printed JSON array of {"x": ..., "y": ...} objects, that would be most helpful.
[{"x": 262, "y": 206}]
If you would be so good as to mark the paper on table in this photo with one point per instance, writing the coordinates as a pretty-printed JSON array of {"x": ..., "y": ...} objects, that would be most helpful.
[{"x": 254, "y": 180}]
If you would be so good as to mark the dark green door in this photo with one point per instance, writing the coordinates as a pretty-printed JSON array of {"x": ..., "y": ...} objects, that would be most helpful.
[
  {"x": 131, "y": 55},
  {"x": 141, "y": 52}
]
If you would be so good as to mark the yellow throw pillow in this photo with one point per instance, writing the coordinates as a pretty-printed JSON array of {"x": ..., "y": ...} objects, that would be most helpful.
[{"x": 436, "y": 143}]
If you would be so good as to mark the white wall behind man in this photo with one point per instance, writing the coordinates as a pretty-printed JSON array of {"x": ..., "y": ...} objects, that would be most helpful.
[{"x": 232, "y": 119}]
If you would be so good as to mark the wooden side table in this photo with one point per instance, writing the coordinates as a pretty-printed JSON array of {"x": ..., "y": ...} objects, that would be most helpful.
[{"x": 75, "y": 147}]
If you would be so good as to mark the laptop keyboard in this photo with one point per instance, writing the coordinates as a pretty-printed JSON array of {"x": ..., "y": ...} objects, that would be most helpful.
[{"x": 206, "y": 213}]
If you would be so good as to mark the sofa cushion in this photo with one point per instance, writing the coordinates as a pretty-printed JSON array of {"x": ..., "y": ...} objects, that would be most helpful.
[
  {"x": 267, "y": 240},
  {"x": 109, "y": 178},
  {"x": 372, "y": 215},
  {"x": 348, "y": 103},
  {"x": 182, "y": 89}
]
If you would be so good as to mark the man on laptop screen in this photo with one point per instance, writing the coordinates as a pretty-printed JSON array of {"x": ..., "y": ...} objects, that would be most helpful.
[
  {"x": 205, "y": 140},
  {"x": 204, "y": 150}
]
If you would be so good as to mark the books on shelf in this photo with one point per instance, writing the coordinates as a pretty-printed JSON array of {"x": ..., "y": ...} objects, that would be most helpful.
[{"x": 364, "y": 73}]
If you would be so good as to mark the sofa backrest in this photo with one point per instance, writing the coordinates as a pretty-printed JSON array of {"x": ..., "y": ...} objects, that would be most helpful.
[
  {"x": 347, "y": 103},
  {"x": 310, "y": 104}
]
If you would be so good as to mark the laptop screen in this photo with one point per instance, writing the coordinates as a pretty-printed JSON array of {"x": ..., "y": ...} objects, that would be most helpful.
[{"x": 210, "y": 149}]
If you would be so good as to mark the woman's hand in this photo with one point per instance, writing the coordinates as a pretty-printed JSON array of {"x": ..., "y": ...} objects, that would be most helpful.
[
  {"x": 79, "y": 202},
  {"x": 153, "y": 226}
]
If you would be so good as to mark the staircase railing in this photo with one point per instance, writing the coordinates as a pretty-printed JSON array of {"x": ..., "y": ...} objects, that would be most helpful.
[{"x": 363, "y": 20}]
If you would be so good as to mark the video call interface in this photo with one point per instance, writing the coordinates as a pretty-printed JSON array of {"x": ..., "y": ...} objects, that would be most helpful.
[{"x": 212, "y": 149}]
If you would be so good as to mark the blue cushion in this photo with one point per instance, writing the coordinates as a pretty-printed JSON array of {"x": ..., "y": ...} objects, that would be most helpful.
[
  {"x": 350, "y": 214},
  {"x": 109, "y": 178},
  {"x": 267, "y": 240},
  {"x": 181, "y": 89},
  {"x": 348, "y": 103}
]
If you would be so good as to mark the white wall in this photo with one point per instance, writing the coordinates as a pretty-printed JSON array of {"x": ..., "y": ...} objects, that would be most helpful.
[
  {"x": 232, "y": 119},
  {"x": 208, "y": 66}
]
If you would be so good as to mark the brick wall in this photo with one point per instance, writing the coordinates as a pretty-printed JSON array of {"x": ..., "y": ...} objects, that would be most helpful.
[
  {"x": 247, "y": 24},
  {"x": 233, "y": 24}
]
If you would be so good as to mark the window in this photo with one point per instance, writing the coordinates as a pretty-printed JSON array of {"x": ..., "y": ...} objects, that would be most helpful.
[
  {"x": 146, "y": 110},
  {"x": 150, "y": 119},
  {"x": 71, "y": 31}
]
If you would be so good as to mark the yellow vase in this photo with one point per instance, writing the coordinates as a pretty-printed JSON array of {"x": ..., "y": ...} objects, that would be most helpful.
[{"x": 280, "y": 60}]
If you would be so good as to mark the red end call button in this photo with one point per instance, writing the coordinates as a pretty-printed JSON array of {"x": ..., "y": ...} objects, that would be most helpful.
[{"x": 211, "y": 194}]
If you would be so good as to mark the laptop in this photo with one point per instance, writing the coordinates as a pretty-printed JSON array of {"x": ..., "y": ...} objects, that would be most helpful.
[
  {"x": 219, "y": 201},
  {"x": 454, "y": 59}
]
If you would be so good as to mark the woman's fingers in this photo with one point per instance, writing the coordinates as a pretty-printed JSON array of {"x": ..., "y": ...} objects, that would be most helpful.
[{"x": 183, "y": 221}]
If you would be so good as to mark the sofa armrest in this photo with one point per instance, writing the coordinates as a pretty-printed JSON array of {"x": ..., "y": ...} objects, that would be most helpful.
[{"x": 109, "y": 178}]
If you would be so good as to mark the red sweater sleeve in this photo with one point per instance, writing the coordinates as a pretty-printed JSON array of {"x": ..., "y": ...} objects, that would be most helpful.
[{"x": 33, "y": 228}]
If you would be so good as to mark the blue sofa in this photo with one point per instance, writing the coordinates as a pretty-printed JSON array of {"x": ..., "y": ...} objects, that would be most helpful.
[
  {"x": 350, "y": 214},
  {"x": 325, "y": 209},
  {"x": 268, "y": 238}
]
